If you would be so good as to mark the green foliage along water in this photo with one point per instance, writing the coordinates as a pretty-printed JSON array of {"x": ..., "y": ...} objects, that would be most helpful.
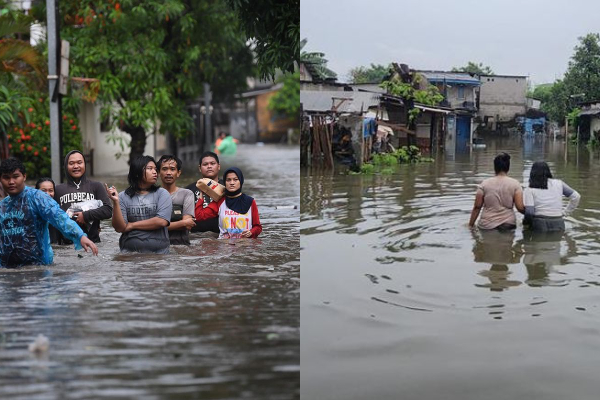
[{"x": 383, "y": 163}]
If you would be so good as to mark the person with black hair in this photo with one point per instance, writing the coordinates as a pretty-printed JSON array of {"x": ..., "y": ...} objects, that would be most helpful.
[
  {"x": 47, "y": 186},
  {"x": 78, "y": 188},
  {"x": 182, "y": 216},
  {"x": 496, "y": 197},
  {"x": 543, "y": 200},
  {"x": 142, "y": 212},
  {"x": 237, "y": 212},
  {"x": 24, "y": 216},
  {"x": 209, "y": 167}
]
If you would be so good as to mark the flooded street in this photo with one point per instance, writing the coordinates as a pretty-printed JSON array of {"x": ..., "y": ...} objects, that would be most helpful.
[
  {"x": 210, "y": 321},
  {"x": 400, "y": 300}
]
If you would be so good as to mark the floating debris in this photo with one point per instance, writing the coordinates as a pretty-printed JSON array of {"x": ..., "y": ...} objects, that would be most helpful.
[{"x": 40, "y": 344}]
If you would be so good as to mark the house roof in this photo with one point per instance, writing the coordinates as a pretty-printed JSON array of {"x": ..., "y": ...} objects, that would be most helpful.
[
  {"x": 504, "y": 76},
  {"x": 322, "y": 101},
  {"x": 450, "y": 77},
  {"x": 591, "y": 111}
]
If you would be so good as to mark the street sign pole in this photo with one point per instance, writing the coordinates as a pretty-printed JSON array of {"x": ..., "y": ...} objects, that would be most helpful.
[{"x": 55, "y": 100}]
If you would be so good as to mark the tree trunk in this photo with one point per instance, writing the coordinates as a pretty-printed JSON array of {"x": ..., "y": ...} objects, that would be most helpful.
[{"x": 138, "y": 141}]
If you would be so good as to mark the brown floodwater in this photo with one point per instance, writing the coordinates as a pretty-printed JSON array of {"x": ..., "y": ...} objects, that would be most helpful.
[
  {"x": 210, "y": 321},
  {"x": 401, "y": 300}
]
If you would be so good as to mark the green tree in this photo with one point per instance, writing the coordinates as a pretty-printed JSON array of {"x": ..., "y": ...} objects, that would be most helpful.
[
  {"x": 582, "y": 78},
  {"x": 580, "y": 83},
  {"x": 430, "y": 96},
  {"x": 287, "y": 100},
  {"x": 474, "y": 68},
  {"x": 21, "y": 68},
  {"x": 373, "y": 74},
  {"x": 151, "y": 58},
  {"x": 317, "y": 61},
  {"x": 275, "y": 28}
]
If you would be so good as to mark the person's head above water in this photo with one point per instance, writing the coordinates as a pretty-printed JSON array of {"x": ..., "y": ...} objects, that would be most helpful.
[
  {"x": 209, "y": 165},
  {"x": 539, "y": 175},
  {"x": 234, "y": 179},
  {"x": 502, "y": 163},
  {"x": 75, "y": 166},
  {"x": 169, "y": 169},
  {"x": 142, "y": 175},
  {"x": 13, "y": 176},
  {"x": 46, "y": 185}
]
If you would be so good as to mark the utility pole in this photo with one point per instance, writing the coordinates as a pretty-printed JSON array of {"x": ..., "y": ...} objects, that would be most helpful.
[
  {"x": 208, "y": 137},
  {"x": 55, "y": 97}
]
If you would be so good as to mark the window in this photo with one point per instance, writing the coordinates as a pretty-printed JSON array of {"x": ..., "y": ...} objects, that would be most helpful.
[{"x": 461, "y": 92}]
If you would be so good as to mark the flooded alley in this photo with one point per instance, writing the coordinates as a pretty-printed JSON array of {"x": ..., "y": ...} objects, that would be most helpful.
[
  {"x": 401, "y": 300},
  {"x": 211, "y": 321}
]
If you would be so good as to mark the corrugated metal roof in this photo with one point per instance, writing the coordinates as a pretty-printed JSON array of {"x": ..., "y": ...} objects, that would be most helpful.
[
  {"x": 450, "y": 77},
  {"x": 591, "y": 111},
  {"x": 322, "y": 101}
]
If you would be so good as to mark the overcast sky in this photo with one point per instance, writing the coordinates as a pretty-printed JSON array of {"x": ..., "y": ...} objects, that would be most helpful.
[{"x": 524, "y": 37}]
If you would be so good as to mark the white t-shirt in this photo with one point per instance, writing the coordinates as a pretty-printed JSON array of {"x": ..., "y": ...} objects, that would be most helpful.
[{"x": 548, "y": 202}]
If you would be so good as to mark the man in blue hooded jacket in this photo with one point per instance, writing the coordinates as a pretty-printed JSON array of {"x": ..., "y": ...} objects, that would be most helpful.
[{"x": 24, "y": 216}]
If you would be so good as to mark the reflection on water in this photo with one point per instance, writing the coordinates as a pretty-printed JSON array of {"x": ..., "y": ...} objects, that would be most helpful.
[
  {"x": 401, "y": 300},
  {"x": 211, "y": 321}
]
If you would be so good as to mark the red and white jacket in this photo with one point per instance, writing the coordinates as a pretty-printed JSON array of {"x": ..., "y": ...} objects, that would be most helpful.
[{"x": 231, "y": 223}]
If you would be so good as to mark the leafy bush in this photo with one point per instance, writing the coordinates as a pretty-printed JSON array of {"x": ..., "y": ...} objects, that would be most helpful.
[
  {"x": 367, "y": 169},
  {"x": 385, "y": 159},
  {"x": 404, "y": 155},
  {"x": 30, "y": 142}
]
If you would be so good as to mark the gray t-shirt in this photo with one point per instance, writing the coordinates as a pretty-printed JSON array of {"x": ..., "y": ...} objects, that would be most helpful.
[
  {"x": 185, "y": 199},
  {"x": 140, "y": 208}
]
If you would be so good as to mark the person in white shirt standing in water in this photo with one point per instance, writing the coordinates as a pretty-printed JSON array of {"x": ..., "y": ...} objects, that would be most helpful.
[{"x": 543, "y": 200}]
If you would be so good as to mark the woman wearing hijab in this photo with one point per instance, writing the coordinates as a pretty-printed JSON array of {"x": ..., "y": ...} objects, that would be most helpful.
[{"x": 237, "y": 212}]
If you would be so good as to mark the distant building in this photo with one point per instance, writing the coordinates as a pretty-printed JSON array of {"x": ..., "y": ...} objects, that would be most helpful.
[
  {"x": 501, "y": 99},
  {"x": 589, "y": 125},
  {"x": 460, "y": 99}
]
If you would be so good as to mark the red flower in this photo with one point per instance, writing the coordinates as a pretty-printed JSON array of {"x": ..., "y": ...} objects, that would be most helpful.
[
  {"x": 117, "y": 6},
  {"x": 30, "y": 109},
  {"x": 22, "y": 147},
  {"x": 10, "y": 146},
  {"x": 28, "y": 137},
  {"x": 71, "y": 121},
  {"x": 19, "y": 140},
  {"x": 8, "y": 136},
  {"x": 74, "y": 127},
  {"x": 32, "y": 125},
  {"x": 29, "y": 148},
  {"x": 64, "y": 117},
  {"x": 39, "y": 128},
  {"x": 16, "y": 129},
  {"x": 41, "y": 100},
  {"x": 21, "y": 131},
  {"x": 44, "y": 148},
  {"x": 47, "y": 122},
  {"x": 36, "y": 153}
]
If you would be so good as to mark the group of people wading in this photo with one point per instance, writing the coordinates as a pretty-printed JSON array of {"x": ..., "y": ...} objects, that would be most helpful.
[
  {"x": 150, "y": 218},
  {"x": 540, "y": 202}
]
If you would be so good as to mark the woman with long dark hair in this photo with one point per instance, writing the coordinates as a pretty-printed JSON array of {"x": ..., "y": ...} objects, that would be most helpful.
[
  {"x": 496, "y": 197},
  {"x": 142, "y": 212},
  {"x": 543, "y": 200}
]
